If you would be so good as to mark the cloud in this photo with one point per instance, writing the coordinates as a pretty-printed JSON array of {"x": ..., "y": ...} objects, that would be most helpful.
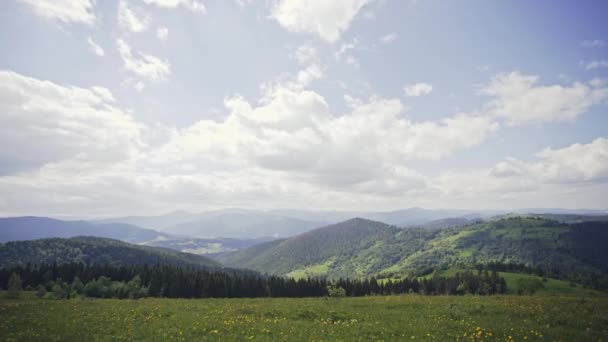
[
  {"x": 43, "y": 122},
  {"x": 162, "y": 33},
  {"x": 293, "y": 133},
  {"x": 575, "y": 163},
  {"x": 559, "y": 170},
  {"x": 596, "y": 43},
  {"x": 95, "y": 48},
  {"x": 146, "y": 66},
  {"x": 193, "y": 5},
  {"x": 65, "y": 11},
  {"x": 128, "y": 20},
  {"x": 343, "y": 53},
  {"x": 519, "y": 99},
  {"x": 243, "y": 3},
  {"x": 595, "y": 64},
  {"x": 309, "y": 74},
  {"x": 79, "y": 153},
  {"x": 326, "y": 19},
  {"x": 389, "y": 38},
  {"x": 418, "y": 89},
  {"x": 306, "y": 54}
]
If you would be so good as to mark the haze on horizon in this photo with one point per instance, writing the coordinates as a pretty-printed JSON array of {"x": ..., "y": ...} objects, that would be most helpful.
[{"x": 112, "y": 108}]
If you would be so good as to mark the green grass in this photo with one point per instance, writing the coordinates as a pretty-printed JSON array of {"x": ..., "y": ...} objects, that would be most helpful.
[
  {"x": 550, "y": 318},
  {"x": 552, "y": 287},
  {"x": 312, "y": 271}
]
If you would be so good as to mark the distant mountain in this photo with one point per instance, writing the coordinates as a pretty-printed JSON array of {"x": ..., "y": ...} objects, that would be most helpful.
[
  {"x": 449, "y": 222},
  {"x": 207, "y": 246},
  {"x": 158, "y": 222},
  {"x": 361, "y": 248},
  {"x": 248, "y": 223},
  {"x": 574, "y": 218},
  {"x": 31, "y": 228},
  {"x": 404, "y": 217},
  {"x": 94, "y": 250},
  {"x": 242, "y": 225}
]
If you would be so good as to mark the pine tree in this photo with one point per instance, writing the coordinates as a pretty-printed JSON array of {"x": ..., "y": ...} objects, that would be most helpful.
[{"x": 14, "y": 286}]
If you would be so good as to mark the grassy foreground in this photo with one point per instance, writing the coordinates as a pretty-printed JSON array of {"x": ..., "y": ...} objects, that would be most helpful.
[{"x": 409, "y": 317}]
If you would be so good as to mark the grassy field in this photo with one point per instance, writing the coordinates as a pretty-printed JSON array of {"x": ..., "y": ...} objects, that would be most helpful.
[{"x": 411, "y": 317}]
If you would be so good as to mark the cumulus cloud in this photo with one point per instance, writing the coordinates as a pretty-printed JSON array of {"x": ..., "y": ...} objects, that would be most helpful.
[
  {"x": 577, "y": 165},
  {"x": 293, "y": 132},
  {"x": 129, "y": 20},
  {"x": 78, "y": 150},
  {"x": 519, "y": 99},
  {"x": 343, "y": 54},
  {"x": 65, "y": 11},
  {"x": 389, "y": 38},
  {"x": 193, "y": 5},
  {"x": 146, "y": 66},
  {"x": 306, "y": 54},
  {"x": 326, "y": 19},
  {"x": 418, "y": 89},
  {"x": 595, "y": 64},
  {"x": 95, "y": 48},
  {"x": 42, "y": 122},
  {"x": 162, "y": 33}
]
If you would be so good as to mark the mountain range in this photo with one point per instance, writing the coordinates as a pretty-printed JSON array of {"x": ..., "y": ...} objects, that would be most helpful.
[{"x": 363, "y": 248}]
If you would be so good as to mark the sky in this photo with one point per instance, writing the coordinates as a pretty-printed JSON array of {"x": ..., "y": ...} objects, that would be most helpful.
[{"x": 124, "y": 107}]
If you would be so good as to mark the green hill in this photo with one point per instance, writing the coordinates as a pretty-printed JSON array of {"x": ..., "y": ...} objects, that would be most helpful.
[
  {"x": 362, "y": 248},
  {"x": 93, "y": 250}
]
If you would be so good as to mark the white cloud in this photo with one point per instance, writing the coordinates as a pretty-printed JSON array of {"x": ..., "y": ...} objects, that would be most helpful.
[
  {"x": 418, "y": 89},
  {"x": 193, "y": 5},
  {"x": 343, "y": 53},
  {"x": 293, "y": 132},
  {"x": 554, "y": 170},
  {"x": 243, "y": 3},
  {"x": 162, "y": 33},
  {"x": 82, "y": 154},
  {"x": 389, "y": 38},
  {"x": 128, "y": 20},
  {"x": 309, "y": 74},
  {"x": 595, "y": 64},
  {"x": 139, "y": 86},
  {"x": 146, "y": 66},
  {"x": 43, "y": 122},
  {"x": 95, "y": 48},
  {"x": 327, "y": 19},
  {"x": 575, "y": 163},
  {"x": 519, "y": 99},
  {"x": 593, "y": 43},
  {"x": 66, "y": 11},
  {"x": 306, "y": 54}
]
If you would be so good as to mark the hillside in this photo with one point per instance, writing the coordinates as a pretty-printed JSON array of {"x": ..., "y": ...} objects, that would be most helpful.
[
  {"x": 93, "y": 250},
  {"x": 360, "y": 247},
  {"x": 337, "y": 247},
  {"x": 32, "y": 228}
]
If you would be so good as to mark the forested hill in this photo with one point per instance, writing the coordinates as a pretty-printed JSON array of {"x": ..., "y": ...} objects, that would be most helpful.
[
  {"x": 361, "y": 248},
  {"x": 337, "y": 244},
  {"x": 93, "y": 250}
]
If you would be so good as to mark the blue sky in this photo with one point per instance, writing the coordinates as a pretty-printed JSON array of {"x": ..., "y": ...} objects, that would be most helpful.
[{"x": 146, "y": 106}]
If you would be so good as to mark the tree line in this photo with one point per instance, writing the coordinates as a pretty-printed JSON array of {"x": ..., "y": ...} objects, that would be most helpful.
[{"x": 105, "y": 281}]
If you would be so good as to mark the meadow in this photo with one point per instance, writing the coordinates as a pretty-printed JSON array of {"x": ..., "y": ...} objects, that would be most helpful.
[{"x": 407, "y": 317}]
